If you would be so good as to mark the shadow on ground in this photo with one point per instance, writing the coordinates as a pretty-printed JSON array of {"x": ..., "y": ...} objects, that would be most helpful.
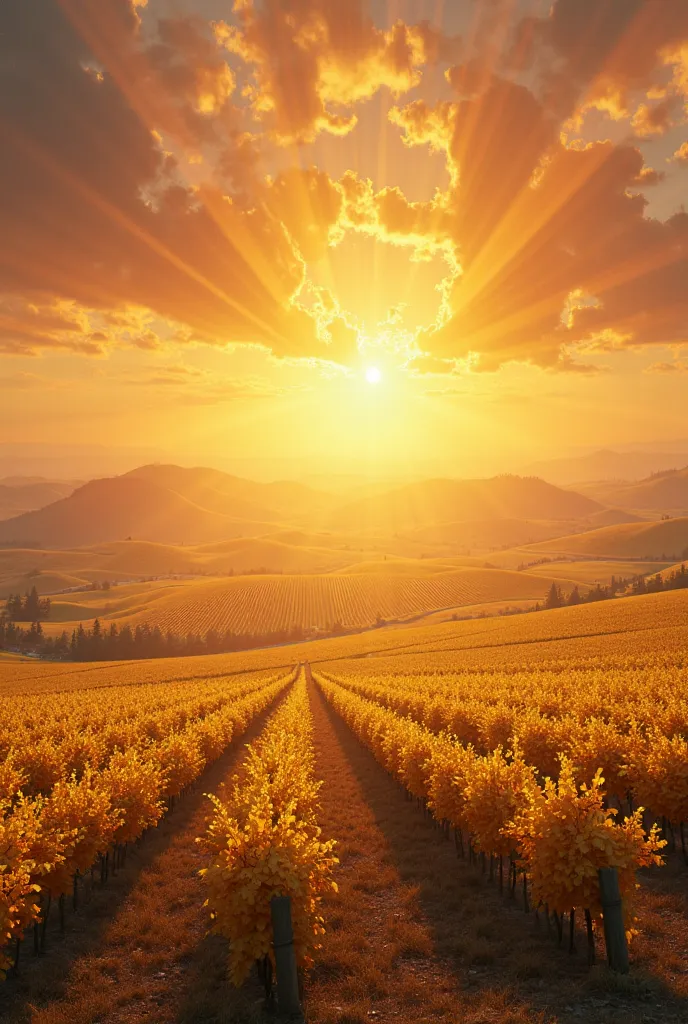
[{"x": 488, "y": 939}]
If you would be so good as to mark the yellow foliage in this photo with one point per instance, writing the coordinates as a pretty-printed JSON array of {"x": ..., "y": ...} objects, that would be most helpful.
[
  {"x": 264, "y": 841},
  {"x": 561, "y": 832},
  {"x": 565, "y": 834},
  {"x": 98, "y": 774}
]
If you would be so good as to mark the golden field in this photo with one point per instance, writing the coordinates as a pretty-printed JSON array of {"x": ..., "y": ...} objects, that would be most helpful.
[
  {"x": 268, "y": 604},
  {"x": 622, "y": 628},
  {"x": 464, "y": 691},
  {"x": 392, "y": 590}
]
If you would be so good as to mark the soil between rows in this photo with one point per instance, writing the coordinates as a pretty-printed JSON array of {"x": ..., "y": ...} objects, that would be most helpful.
[
  {"x": 417, "y": 935},
  {"x": 414, "y": 934},
  {"x": 138, "y": 949}
]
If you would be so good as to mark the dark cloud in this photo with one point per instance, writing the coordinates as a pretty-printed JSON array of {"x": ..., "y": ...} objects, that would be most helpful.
[
  {"x": 135, "y": 209},
  {"x": 601, "y": 51},
  {"x": 91, "y": 206},
  {"x": 555, "y": 246}
]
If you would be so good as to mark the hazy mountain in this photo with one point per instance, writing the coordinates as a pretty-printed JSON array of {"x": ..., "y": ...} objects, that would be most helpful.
[
  {"x": 447, "y": 501},
  {"x": 607, "y": 465},
  {"x": 17, "y": 497},
  {"x": 661, "y": 492},
  {"x": 121, "y": 507},
  {"x": 235, "y": 496},
  {"x": 25, "y": 481},
  {"x": 167, "y": 504}
]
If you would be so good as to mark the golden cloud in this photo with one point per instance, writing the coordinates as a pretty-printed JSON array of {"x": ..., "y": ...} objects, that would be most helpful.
[
  {"x": 536, "y": 221},
  {"x": 310, "y": 60},
  {"x": 143, "y": 198}
]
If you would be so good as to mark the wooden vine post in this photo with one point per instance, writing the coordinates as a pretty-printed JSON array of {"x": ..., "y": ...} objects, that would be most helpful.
[
  {"x": 288, "y": 1002},
  {"x": 614, "y": 930}
]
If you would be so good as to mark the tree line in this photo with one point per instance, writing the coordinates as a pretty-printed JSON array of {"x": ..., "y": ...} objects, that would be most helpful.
[
  {"x": 677, "y": 579},
  {"x": 29, "y": 608},
  {"x": 112, "y": 643}
]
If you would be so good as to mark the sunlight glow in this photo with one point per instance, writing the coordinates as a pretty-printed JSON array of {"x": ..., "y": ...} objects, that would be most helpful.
[{"x": 373, "y": 375}]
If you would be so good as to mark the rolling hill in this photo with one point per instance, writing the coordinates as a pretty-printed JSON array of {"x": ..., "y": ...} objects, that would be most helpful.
[
  {"x": 51, "y": 571},
  {"x": 234, "y": 496},
  {"x": 248, "y": 604},
  {"x": 665, "y": 540},
  {"x": 490, "y": 533},
  {"x": 264, "y": 604},
  {"x": 661, "y": 492},
  {"x": 596, "y": 570},
  {"x": 428, "y": 502},
  {"x": 612, "y": 517}
]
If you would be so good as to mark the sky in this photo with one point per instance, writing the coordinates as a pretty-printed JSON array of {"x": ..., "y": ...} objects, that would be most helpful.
[{"x": 216, "y": 217}]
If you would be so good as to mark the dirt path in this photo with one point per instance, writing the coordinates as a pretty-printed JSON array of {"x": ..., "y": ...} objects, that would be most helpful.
[
  {"x": 383, "y": 956},
  {"x": 417, "y": 935},
  {"x": 139, "y": 951}
]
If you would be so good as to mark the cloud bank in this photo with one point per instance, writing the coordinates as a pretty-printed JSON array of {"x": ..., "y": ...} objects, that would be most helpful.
[{"x": 158, "y": 183}]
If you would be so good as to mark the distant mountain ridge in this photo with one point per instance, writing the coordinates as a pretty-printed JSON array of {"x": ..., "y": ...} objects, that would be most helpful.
[
  {"x": 166, "y": 504},
  {"x": 664, "y": 491},
  {"x": 606, "y": 464},
  {"x": 444, "y": 501},
  {"x": 212, "y": 488},
  {"x": 171, "y": 505},
  {"x": 19, "y": 497},
  {"x": 120, "y": 507}
]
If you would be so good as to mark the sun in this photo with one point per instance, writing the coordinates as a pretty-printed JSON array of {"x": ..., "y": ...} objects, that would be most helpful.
[{"x": 373, "y": 375}]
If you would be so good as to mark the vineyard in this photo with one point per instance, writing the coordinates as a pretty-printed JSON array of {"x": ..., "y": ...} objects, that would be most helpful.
[
  {"x": 416, "y": 806},
  {"x": 572, "y": 724},
  {"x": 557, "y": 833},
  {"x": 81, "y": 780},
  {"x": 264, "y": 839},
  {"x": 264, "y": 604}
]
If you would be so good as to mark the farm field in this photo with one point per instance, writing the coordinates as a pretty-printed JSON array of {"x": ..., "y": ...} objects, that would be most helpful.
[
  {"x": 392, "y": 588},
  {"x": 274, "y": 603},
  {"x": 123, "y": 561},
  {"x": 397, "y": 932},
  {"x": 266, "y": 604},
  {"x": 620, "y": 629},
  {"x": 597, "y": 571}
]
